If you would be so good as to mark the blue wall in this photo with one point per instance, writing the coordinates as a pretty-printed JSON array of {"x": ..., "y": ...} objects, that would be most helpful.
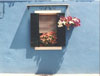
[{"x": 81, "y": 54}]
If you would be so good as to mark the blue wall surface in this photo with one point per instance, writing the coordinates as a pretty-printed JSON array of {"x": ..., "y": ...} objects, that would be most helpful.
[{"x": 81, "y": 54}]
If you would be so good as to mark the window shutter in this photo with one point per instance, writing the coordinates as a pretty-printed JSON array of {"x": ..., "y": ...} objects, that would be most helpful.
[
  {"x": 34, "y": 30},
  {"x": 61, "y": 32}
]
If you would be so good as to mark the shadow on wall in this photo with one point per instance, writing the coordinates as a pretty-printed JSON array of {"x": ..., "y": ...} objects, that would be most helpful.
[
  {"x": 2, "y": 11},
  {"x": 48, "y": 62},
  {"x": 11, "y": 4},
  {"x": 2, "y": 7}
]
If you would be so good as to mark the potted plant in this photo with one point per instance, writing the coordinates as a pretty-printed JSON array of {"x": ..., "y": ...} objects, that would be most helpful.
[{"x": 69, "y": 21}]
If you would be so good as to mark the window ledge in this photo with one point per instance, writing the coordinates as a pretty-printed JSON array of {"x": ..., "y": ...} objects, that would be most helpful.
[{"x": 48, "y": 48}]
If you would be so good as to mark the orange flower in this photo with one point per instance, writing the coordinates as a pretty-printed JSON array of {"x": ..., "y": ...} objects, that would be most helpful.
[{"x": 48, "y": 38}]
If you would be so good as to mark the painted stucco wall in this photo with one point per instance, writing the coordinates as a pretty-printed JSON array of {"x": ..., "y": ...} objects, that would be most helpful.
[{"x": 81, "y": 54}]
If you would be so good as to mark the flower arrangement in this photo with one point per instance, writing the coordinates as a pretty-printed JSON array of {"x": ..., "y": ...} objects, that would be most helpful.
[
  {"x": 48, "y": 38},
  {"x": 68, "y": 21}
]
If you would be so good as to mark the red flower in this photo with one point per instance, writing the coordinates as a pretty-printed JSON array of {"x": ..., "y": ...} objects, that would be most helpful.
[
  {"x": 76, "y": 21},
  {"x": 62, "y": 18},
  {"x": 69, "y": 18},
  {"x": 48, "y": 38},
  {"x": 69, "y": 21}
]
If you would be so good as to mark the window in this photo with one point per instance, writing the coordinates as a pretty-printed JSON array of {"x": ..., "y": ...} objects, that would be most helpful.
[{"x": 43, "y": 23}]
